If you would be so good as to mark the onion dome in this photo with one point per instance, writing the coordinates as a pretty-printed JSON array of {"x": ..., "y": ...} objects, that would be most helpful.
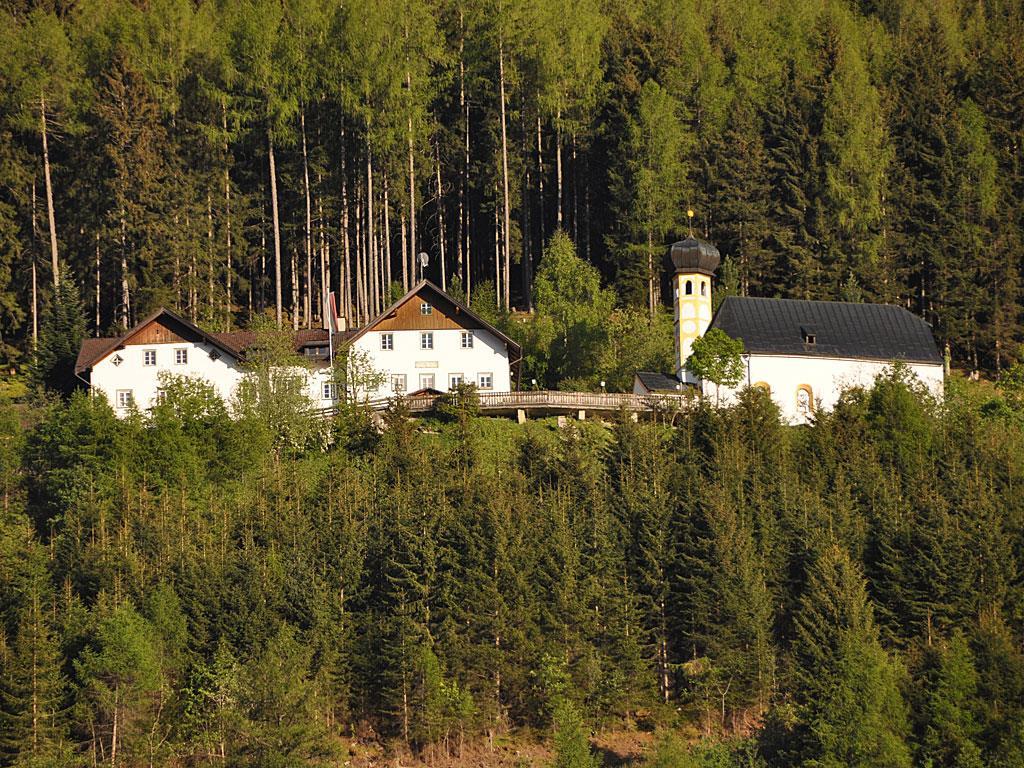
[{"x": 693, "y": 255}]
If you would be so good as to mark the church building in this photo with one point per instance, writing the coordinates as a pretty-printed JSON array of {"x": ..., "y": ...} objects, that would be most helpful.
[{"x": 803, "y": 353}]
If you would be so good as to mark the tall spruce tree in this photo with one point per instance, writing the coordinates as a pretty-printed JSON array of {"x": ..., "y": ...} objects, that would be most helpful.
[
  {"x": 61, "y": 334},
  {"x": 851, "y": 710}
]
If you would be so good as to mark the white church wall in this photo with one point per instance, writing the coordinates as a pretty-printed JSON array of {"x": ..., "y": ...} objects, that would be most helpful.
[
  {"x": 824, "y": 377},
  {"x": 447, "y": 358}
]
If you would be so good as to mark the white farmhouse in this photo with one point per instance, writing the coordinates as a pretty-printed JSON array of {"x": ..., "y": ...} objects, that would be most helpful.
[
  {"x": 127, "y": 369},
  {"x": 426, "y": 340},
  {"x": 804, "y": 353},
  {"x": 429, "y": 341}
]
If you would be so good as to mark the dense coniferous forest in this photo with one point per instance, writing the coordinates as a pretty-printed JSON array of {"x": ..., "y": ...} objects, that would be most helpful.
[
  {"x": 229, "y": 158},
  {"x": 186, "y": 588},
  {"x": 197, "y": 585}
]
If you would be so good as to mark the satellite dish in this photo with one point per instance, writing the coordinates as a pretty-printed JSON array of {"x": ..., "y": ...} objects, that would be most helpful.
[{"x": 424, "y": 258}]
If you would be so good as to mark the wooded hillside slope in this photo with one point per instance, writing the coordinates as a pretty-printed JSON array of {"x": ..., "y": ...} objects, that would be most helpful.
[{"x": 188, "y": 589}]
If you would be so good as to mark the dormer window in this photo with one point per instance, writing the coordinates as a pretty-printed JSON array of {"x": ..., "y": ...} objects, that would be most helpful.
[{"x": 809, "y": 335}]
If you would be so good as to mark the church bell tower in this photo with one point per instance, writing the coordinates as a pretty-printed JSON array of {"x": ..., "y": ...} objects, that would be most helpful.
[{"x": 695, "y": 262}]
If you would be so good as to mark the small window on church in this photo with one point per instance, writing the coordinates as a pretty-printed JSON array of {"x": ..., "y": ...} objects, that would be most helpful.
[
  {"x": 689, "y": 287},
  {"x": 809, "y": 334},
  {"x": 703, "y": 287},
  {"x": 804, "y": 400}
]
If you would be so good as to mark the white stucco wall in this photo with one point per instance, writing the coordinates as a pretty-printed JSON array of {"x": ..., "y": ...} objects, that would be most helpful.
[
  {"x": 488, "y": 355},
  {"x": 143, "y": 381},
  {"x": 826, "y": 377}
]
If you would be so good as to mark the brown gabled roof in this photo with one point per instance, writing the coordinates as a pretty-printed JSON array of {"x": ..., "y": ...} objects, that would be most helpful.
[
  {"x": 99, "y": 351},
  {"x": 92, "y": 351},
  {"x": 242, "y": 340},
  {"x": 233, "y": 343},
  {"x": 415, "y": 291}
]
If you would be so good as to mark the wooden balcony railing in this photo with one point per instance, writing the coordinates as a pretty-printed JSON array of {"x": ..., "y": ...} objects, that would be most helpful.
[{"x": 548, "y": 401}]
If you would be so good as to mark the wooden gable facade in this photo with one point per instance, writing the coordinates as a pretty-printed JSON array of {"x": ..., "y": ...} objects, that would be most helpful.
[
  {"x": 444, "y": 314},
  {"x": 163, "y": 329}
]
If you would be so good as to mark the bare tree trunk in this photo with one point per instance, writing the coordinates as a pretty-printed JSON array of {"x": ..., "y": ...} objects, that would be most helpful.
[
  {"x": 405, "y": 245},
  {"x": 586, "y": 213},
  {"x": 497, "y": 254},
  {"x": 440, "y": 219},
  {"x": 126, "y": 304},
  {"x": 97, "y": 329},
  {"x": 113, "y": 730},
  {"x": 35, "y": 305},
  {"x": 51, "y": 216},
  {"x": 35, "y": 290},
  {"x": 228, "y": 302},
  {"x": 323, "y": 254},
  {"x": 387, "y": 242},
  {"x": 412, "y": 189},
  {"x": 558, "y": 166},
  {"x": 296, "y": 300},
  {"x": 650, "y": 273},
  {"x": 345, "y": 284},
  {"x": 359, "y": 303},
  {"x": 575, "y": 194},
  {"x": 278, "y": 304},
  {"x": 540, "y": 184},
  {"x": 465, "y": 169},
  {"x": 308, "y": 303},
  {"x": 209, "y": 253},
  {"x": 504, "y": 174},
  {"x": 371, "y": 239}
]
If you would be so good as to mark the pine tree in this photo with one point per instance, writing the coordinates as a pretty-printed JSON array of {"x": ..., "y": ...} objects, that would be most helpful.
[
  {"x": 61, "y": 334},
  {"x": 32, "y": 689},
  {"x": 848, "y": 692},
  {"x": 284, "y": 723},
  {"x": 945, "y": 726}
]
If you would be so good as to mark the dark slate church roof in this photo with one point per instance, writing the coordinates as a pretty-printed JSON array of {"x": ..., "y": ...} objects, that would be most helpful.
[
  {"x": 658, "y": 382},
  {"x": 839, "y": 329}
]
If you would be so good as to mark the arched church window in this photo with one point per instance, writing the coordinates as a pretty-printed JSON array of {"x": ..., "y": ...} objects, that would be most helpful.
[
  {"x": 703, "y": 287},
  {"x": 804, "y": 400},
  {"x": 689, "y": 287}
]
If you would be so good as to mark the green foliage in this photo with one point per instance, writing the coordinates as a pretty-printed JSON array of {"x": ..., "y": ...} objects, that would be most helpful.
[
  {"x": 718, "y": 358},
  {"x": 571, "y": 310},
  {"x": 60, "y": 336},
  {"x": 849, "y": 691},
  {"x": 272, "y": 396},
  {"x": 843, "y": 593}
]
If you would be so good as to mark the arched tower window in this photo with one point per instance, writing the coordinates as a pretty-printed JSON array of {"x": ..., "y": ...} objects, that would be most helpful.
[
  {"x": 689, "y": 287},
  {"x": 703, "y": 287},
  {"x": 804, "y": 400}
]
